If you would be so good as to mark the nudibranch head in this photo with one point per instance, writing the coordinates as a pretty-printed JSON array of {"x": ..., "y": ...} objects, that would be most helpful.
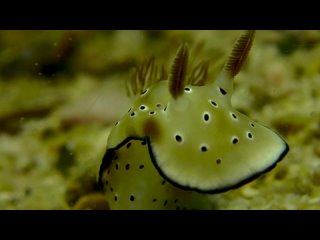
[{"x": 190, "y": 135}]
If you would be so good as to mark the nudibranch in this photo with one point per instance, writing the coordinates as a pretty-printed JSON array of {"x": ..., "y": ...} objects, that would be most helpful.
[{"x": 182, "y": 139}]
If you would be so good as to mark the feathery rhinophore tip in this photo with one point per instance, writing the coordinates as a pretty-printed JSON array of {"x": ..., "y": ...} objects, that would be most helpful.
[
  {"x": 239, "y": 53},
  {"x": 177, "y": 78}
]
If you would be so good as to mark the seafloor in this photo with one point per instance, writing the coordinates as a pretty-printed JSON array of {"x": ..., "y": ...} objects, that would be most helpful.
[{"x": 61, "y": 91}]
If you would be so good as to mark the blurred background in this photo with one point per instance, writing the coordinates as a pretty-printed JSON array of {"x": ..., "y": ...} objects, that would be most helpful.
[{"x": 61, "y": 91}]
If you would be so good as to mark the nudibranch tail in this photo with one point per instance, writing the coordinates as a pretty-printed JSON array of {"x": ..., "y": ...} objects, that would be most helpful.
[{"x": 177, "y": 78}]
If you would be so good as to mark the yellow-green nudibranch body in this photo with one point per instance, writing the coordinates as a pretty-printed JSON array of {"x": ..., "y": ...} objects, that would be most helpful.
[{"x": 182, "y": 139}]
